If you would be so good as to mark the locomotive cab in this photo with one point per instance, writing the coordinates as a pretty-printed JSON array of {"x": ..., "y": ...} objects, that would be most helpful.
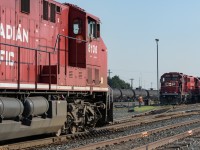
[
  {"x": 177, "y": 88},
  {"x": 172, "y": 85}
]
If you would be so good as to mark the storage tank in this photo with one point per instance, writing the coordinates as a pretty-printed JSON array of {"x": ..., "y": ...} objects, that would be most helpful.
[
  {"x": 10, "y": 108},
  {"x": 127, "y": 93},
  {"x": 117, "y": 94},
  {"x": 153, "y": 94},
  {"x": 35, "y": 106},
  {"x": 141, "y": 92}
]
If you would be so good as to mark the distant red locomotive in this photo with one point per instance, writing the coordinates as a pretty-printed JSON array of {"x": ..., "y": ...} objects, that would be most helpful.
[
  {"x": 177, "y": 88},
  {"x": 53, "y": 69}
]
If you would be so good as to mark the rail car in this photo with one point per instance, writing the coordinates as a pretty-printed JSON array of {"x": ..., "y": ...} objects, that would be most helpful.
[
  {"x": 134, "y": 94},
  {"x": 53, "y": 69},
  {"x": 178, "y": 88}
]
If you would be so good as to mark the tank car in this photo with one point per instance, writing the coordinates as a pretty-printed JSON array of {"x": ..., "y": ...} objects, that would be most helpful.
[
  {"x": 53, "y": 69},
  {"x": 152, "y": 96},
  {"x": 177, "y": 88},
  {"x": 139, "y": 92},
  {"x": 134, "y": 94},
  {"x": 123, "y": 94}
]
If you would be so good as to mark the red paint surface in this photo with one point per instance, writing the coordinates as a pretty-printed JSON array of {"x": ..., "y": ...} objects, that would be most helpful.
[{"x": 69, "y": 63}]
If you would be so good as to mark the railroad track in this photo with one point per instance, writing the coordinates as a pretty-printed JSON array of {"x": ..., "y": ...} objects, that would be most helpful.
[
  {"x": 163, "y": 110},
  {"x": 95, "y": 133},
  {"x": 149, "y": 119},
  {"x": 182, "y": 141},
  {"x": 141, "y": 135}
]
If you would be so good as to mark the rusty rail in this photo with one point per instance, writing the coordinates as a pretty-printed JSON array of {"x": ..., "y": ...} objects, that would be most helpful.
[
  {"x": 134, "y": 136},
  {"x": 65, "y": 138},
  {"x": 168, "y": 140},
  {"x": 149, "y": 120},
  {"x": 34, "y": 143}
]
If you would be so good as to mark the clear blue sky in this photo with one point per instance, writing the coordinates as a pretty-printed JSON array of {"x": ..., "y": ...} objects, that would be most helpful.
[{"x": 129, "y": 29}]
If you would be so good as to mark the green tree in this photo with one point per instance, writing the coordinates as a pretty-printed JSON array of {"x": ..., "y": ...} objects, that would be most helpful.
[{"x": 116, "y": 82}]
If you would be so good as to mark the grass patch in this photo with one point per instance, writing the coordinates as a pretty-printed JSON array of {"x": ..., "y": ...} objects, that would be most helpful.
[{"x": 144, "y": 108}]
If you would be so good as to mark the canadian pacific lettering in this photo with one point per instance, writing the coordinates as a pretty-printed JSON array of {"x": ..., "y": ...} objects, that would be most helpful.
[
  {"x": 12, "y": 33},
  {"x": 7, "y": 57}
]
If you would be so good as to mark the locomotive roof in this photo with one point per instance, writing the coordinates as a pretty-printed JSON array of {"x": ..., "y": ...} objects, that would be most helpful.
[
  {"x": 80, "y": 9},
  {"x": 74, "y": 6}
]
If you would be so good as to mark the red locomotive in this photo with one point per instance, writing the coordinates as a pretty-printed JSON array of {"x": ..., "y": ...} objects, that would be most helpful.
[
  {"x": 53, "y": 69},
  {"x": 177, "y": 88}
]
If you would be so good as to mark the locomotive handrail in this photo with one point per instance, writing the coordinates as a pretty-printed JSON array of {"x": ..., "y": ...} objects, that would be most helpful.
[
  {"x": 66, "y": 37},
  {"x": 28, "y": 48},
  {"x": 57, "y": 41},
  {"x": 19, "y": 60},
  {"x": 110, "y": 95},
  {"x": 36, "y": 50}
]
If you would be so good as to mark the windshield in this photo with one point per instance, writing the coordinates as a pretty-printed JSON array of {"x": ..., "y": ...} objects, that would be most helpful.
[{"x": 169, "y": 78}]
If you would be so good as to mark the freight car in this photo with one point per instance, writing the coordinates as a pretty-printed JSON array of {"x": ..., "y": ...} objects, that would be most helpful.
[
  {"x": 134, "y": 94},
  {"x": 53, "y": 69},
  {"x": 178, "y": 88}
]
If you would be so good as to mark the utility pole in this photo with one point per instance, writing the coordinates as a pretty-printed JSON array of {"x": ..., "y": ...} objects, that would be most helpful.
[
  {"x": 131, "y": 83},
  {"x": 139, "y": 82},
  {"x": 157, "y": 40},
  {"x": 109, "y": 72}
]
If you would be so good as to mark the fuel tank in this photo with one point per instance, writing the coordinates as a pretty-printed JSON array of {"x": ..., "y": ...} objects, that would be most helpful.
[
  {"x": 10, "y": 107},
  {"x": 35, "y": 106}
]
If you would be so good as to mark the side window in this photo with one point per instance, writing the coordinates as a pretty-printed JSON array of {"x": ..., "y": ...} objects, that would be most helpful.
[
  {"x": 77, "y": 26},
  {"x": 25, "y": 6},
  {"x": 58, "y": 9},
  {"x": 45, "y": 10},
  {"x": 98, "y": 31},
  {"x": 92, "y": 28},
  {"x": 53, "y": 13}
]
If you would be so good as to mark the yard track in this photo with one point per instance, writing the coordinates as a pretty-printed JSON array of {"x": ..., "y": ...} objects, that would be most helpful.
[{"x": 116, "y": 127}]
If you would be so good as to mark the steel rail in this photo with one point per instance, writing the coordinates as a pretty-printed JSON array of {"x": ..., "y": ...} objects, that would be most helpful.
[
  {"x": 134, "y": 136},
  {"x": 34, "y": 143},
  {"x": 148, "y": 119},
  {"x": 65, "y": 138},
  {"x": 168, "y": 140},
  {"x": 162, "y": 108}
]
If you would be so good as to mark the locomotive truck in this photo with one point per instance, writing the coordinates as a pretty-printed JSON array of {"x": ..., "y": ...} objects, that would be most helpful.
[
  {"x": 53, "y": 69},
  {"x": 177, "y": 88}
]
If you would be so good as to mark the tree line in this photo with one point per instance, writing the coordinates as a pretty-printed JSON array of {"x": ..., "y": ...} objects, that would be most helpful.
[{"x": 116, "y": 82}]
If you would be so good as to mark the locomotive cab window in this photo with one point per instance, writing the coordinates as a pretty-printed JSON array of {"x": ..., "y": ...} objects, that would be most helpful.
[
  {"x": 98, "y": 31},
  {"x": 92, "y": 28},
  {"x": 25, "y": 6},
  {"x": 45, "y": 10},
  {"x": 174, "y": 78},
  {"x": 58, "y": 9},
  {"x": 53, "y": 13},
  {"x": 77, "y": 26}
]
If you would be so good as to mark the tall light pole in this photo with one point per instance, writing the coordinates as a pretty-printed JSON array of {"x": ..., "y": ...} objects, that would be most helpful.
[
  {"x": 131, "y": 83},
  {"x": 157, "y": 40}
]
